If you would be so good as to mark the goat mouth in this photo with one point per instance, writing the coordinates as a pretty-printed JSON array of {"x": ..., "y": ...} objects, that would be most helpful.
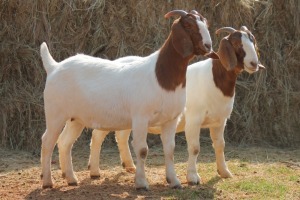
[
  {"x": 200, "y": 51},
  {"x": 250, "y": 70}
]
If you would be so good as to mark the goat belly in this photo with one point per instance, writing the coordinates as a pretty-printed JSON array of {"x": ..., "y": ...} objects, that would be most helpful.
[{"x": 171, "y": 107}]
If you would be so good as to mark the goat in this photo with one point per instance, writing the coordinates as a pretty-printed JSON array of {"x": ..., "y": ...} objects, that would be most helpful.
[
  {"x": 148, "y": 92},
  {"x": 210, "y": 97}
]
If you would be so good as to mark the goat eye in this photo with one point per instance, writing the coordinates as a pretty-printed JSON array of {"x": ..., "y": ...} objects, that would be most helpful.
[
  {"x": 251, "y": 37},
  {"x": 187, "y": 26}
]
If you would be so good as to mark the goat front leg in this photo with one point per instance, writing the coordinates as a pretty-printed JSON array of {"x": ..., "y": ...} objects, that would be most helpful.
[
  {"x": 95, "y": 151},
  {"x": 217, "y": 136},
  {"x": 192, "y": 134},
  {"x": 168, "y": 140},
  {"x": 122, "y": 138},
  {"x": 67, "y": 138},
  {"x": 139, "y": 143}
]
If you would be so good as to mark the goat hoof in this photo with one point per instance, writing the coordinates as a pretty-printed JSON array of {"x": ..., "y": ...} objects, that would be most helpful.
[
  {"x": 130, "y": 170},
  {"x": 123, "y": 165},
  {"x": 177, "y": 187},
  {"x": 47, "y": 186},
  {"x": 225, "y": 174},
  {"x": 89, "y": 167},
  {"x": 73, "y": 184},
  {"x": 193, "y": 179},
  {"x": 142, "y": 189},
  {"x": 168, "y": 180},
  {"x": 95, "y": 177},
  {"x": 193, "y": 183}
]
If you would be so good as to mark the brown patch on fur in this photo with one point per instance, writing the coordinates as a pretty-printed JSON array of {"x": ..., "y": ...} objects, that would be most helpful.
[
  {"x": 182, "y": 44},
  {"x": 224, "y": 80},
  {"x": 171, "y": 67},
  {"x": 231, "y": 63},
  {"x": 143, "y": 153},
  {"x": 196, "y": 151}
]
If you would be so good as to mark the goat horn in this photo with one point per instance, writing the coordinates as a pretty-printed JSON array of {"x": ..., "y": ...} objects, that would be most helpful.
[
  {"x": 194, "y": 12},
  {"x": 181, "y": 13},
  {"x": 225, "y": 29},
  {"x": 244, "y": 28}
]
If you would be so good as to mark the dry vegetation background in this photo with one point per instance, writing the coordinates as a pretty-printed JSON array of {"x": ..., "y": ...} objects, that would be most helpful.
[{"x": 267, "y": 106}]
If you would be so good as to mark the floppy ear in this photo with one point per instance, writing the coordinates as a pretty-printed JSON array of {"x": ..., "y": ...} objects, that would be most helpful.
[
  {"x": 181, "y": 40},
  {"x": 227, "y": 55}
]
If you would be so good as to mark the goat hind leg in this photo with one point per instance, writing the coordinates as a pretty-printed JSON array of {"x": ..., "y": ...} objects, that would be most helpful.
[
  {"x": 49, "y": 140},
  {"x": 95, "y": 151},
  {"x": 122, "y": 138},
  {"x": 69, "y": 135}
]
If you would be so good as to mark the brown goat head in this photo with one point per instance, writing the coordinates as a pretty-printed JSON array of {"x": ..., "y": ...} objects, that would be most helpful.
[
  {"x": 238, "y": 50},
  {"x": 190, "y": 34}
]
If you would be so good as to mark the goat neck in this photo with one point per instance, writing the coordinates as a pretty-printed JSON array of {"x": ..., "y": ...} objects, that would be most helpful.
[
  {"x": 224, "y": 80},
  {"x": 171, "y": 67}
]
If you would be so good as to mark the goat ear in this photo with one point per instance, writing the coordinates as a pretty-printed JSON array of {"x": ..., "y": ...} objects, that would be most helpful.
[
  {"x": 181, "y": 40},
  {"x": 227, "y": 55},
  {"x": 212, "y": 55}
]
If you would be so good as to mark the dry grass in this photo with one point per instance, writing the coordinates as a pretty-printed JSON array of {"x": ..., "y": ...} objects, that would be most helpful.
[{"x": 267, "y": 103}]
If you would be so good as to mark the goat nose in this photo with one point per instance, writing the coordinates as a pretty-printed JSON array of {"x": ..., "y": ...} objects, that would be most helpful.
[
  {"x": 208, "y": 46},
  {"x": 253, "y": 64}
]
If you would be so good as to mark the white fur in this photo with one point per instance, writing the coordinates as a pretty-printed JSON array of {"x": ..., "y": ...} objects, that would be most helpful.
[
  {"x": 251, "y": 56},
  {"x": 206, "y": 107},
  {"x": 108, "y": 95},
  {"x": 203, "y": 31},
  {"x": 84, "y": 91}
]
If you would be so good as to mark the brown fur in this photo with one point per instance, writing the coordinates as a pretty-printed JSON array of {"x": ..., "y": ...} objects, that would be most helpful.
[
  {"x": 196, "y": 151},
  {"x": 224, "y": 80},
  {"x": 143, "y": 153},
  {"x": 180, "y": 47},
  {"x": 226, "y": 69}
]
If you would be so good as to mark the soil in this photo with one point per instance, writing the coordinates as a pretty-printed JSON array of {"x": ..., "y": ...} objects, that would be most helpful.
[{"x": 20, "y": 174}]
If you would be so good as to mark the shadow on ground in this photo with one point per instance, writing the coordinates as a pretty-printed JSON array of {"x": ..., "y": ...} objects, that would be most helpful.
[{"x": 112, "y": 189}]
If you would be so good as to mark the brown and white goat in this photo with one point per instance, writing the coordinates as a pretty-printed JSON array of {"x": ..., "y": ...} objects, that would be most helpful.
[
  {"x": 107, "y": 95},
  {"x": 210, "y": 99}
]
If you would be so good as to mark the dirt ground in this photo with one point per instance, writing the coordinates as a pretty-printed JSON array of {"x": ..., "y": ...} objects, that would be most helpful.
[{"x": 20, "y": 174}]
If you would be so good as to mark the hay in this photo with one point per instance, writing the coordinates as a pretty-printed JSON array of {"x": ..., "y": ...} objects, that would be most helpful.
[{"x": 267, "y": 103}]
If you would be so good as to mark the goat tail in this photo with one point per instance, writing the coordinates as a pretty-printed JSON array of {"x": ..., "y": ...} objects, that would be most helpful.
[{"x": 48, "y": 61}]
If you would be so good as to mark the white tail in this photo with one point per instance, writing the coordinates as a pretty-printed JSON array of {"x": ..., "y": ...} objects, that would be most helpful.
[{"x": 48, "y": 61}]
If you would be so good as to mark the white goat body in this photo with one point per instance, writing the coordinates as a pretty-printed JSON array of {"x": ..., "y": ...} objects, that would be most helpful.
[
  {"x": 120, "y": 87},
  {"x": 205, "y": 103},
  {"x": 207, "y": 106},
  {"x": 107, "y": 95}
]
